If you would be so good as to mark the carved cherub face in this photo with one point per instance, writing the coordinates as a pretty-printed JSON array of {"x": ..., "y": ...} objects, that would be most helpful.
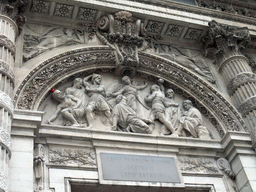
[
  {"x": 57, "y": 94},
  {"x": 126, "y": 80},
  {"x": 169, "y": 93}
]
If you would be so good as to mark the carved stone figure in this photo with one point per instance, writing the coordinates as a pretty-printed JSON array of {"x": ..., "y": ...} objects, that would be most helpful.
[
  {"x": 51, "y": 38},
  {"x": 125, "y": 117},
  {"x": 191, "y": 122},
  {"x": 156, "y": 100},
  {"x": 67, "y": 104},
  {"x": 172, "y": 110},
  {"x": 183, "y": 59},
  {"x": 97, "y": 100},
  {"x": 130, "y": 91}
]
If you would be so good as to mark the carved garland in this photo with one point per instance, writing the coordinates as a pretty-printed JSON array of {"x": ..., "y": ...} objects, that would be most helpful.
[
  {"x": 239, "y": 80},
  {"x": 6, "y": 102},
  {"x": 7, "y": 70},
  {"x": 247, "y": 106},
  {"x": 7, "y": 43},
  {"x": 36, "y": 84}
]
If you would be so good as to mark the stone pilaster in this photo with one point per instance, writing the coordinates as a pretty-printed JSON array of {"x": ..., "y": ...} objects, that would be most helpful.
[
  {"x": 11, "y": 20},
  {"x": 225, "y": 43}
]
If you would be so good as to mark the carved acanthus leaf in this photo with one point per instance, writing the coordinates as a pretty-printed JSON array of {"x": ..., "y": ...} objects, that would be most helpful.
[
  {"x": 72, "y": 157},
  {"x": 198, "y": 165}
]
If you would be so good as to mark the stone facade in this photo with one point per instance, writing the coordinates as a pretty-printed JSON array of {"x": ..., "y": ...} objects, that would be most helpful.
[{"x": 162, "y": 92}]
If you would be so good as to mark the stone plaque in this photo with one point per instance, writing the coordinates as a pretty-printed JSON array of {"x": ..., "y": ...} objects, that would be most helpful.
[{"x": 139, "y": 168}]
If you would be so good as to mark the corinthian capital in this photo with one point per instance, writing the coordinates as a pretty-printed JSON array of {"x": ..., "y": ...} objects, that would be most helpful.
[
  {"x": 225, "y": 40},
  {"x": 14, "y": 9}
]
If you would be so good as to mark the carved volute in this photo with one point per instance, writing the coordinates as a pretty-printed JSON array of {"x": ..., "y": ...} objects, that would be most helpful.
[{"x": 122, "y": 32}]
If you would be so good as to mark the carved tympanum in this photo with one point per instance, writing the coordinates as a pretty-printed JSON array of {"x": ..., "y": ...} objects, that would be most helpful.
[
  {"x": 118, "y": 107},
  {"x": 123, "y": 33}
]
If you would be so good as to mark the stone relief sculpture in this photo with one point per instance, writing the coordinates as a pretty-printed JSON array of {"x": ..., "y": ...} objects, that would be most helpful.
[
  {"x": 172, "y": 111},
  {"x": 85, "y": 104},
  {"x": 191, "y": 122},
  {"x": 125, "y": 117},
  {"x": 123, "y": 33},
  {"x": 68, "y": 103},
  {"x": 156, "y": 100},
  {"x": 182, "y": 57},
  {"x": 37, "y": 42},
  {"x": 130, "y": 91},
  {"x": 97, "y": 100}
]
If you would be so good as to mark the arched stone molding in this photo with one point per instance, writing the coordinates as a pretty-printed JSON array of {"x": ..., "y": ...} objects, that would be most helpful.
[{"x": 36, "y": 85}]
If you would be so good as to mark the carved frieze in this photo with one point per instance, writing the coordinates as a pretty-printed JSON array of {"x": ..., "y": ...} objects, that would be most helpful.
[
  {"x": 73, "y": 157},
  {"x": 154, "y": 26},
  {"x": 247, "y": 106},
  {"x": 7, "y": 43},
  {"x": 240, "y": 80},
  {"x": 193, "y": 34},
  {"x": 63, "y": 10},
  {"x": 86, "y": 14},
  {"x": 40, "y": 6},
  {"x": 174, "y": 30},
  {"x": 7, "y": 70},
  {"x": 198, "y": 165},
  {"x": 38, "y": 42}
]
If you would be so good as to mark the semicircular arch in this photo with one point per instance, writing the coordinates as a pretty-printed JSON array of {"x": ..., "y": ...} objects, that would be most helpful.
[{"x": 36, "y": 85}]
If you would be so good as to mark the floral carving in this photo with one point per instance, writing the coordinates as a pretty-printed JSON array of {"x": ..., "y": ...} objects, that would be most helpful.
[
  {"x": 72, "y": 157},
  {"x": 7, "y": 70},
  {"x": 239, "y": 80},
  {"x": 7, "y": 43},
  {"x": 198, "y": 165},
  {"x": 63, "y": 10},
  {"x": 40, "y": 6},
  {"x": 86, "y": 14},
  {"x": 193, "y": 34},
  {"x": 4, "y": 182},
  {"x": 174, "y": 30},
  {"x": 154, "y": 27}
]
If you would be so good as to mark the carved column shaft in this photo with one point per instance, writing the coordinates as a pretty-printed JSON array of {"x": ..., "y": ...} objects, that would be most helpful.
[{"x": 225, "y": 42}]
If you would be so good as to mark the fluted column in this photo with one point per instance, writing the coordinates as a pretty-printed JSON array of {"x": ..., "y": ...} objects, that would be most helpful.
[
  {"x": 10, "y": 16},
  {"x": 225, "y": 43}
]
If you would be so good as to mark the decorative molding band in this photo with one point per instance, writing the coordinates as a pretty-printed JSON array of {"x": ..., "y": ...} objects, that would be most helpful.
[
  {"x": 7, "y": 43},
  {"x": 7, "y": 70},
  {"x": 6, "y": 102},
  {"x": 196, "y": 10},
  {"x": 36, "y": 84},
  {"x": 247, "y": 106},
  {"x": 240, "y": 80},
  {"x": 4, "y": 182},
  {"x": 233, "y": 57}
]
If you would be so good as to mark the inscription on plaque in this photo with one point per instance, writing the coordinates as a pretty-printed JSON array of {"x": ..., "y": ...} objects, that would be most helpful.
[{"x": 139, "y": 168}]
